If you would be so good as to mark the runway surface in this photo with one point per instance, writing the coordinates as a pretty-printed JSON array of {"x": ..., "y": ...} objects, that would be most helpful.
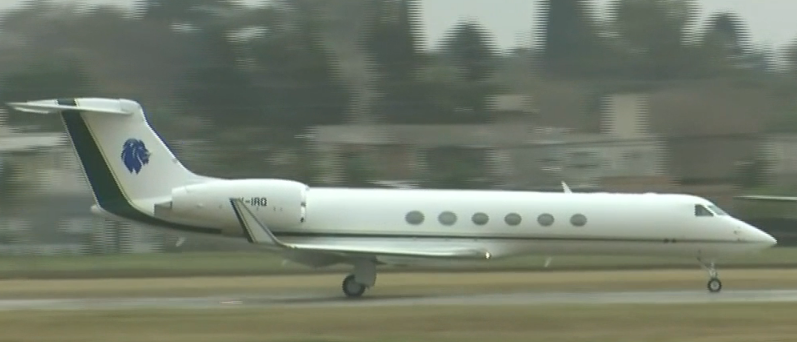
[{"x": 309, "y": 300}]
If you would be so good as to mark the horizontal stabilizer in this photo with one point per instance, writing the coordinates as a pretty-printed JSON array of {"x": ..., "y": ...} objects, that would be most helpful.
[
  {"x": 767, "y": 198},
  {"x": 52, "y": 106},
  {"x": 258, "y": 233}
]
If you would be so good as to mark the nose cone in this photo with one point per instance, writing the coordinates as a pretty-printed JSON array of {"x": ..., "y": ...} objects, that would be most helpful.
[
  {"x": 759, "y": 236},
  {"x": 768, "y": 239}
]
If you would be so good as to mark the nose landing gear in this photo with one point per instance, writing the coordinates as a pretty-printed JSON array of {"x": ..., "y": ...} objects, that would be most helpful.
[{"x": 714, "y": 284}]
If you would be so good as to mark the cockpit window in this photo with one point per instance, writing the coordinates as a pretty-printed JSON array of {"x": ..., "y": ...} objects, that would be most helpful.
[
  {"x": 700, "y": 210},
  {"x": 717, "y": 210}
]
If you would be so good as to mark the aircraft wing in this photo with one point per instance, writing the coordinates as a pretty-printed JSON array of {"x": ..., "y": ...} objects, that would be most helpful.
[
  {"x": 258, "y": 233},
  {"x": 767, "y": 198}
]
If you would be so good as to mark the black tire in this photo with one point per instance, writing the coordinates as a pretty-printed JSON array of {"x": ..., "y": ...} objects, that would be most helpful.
[
  {"x": 714, "y": 285},
  {"x": 351, "y": 288}
]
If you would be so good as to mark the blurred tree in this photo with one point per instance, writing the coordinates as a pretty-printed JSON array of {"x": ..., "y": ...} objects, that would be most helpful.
[
  {"x": 267, "y": 77},
  {"x": 181, "y": 11},
  {"x": 390, "y": 41},
  {"x": 789, "y": 53},
  {"x": 344, "y": 27},
  {"x": 9, "y": 186},
  {"x": 217, "y": 86},
  {"x": 48, "y": 77},
  {"x": 279, "y": 76},
  {"x": 214, "y": 88},
  {"x": 572, "y": 45},
  {"x": 729, "y": 30},
  {"x": 108, "y": 40},
  {"x": 762, "y": 59},
  {"x": 295, "y": 76},
  {"x": 653, "y": 33},
  {"x": 472, "y": 52},
  {"x": 724, "y": 43},
  {"x": 474, "y": 57}
]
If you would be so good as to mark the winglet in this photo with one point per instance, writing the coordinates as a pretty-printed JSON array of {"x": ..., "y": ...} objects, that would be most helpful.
[
  {"x": 255, "y": 231},
  {"x": 566, "y": 188}
]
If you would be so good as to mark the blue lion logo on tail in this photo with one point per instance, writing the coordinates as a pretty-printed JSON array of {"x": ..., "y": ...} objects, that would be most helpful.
[{"x": 135, "y": 155}]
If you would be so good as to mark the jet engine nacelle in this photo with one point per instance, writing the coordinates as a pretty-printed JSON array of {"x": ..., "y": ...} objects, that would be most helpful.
[{"x": 278, "y": 203}]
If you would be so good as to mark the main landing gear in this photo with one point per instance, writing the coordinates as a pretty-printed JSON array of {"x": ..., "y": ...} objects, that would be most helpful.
[
  {"x": 714, "y": 284},
  {"x": 364, "y": 277},
  {"x": 351, "y": 288}
]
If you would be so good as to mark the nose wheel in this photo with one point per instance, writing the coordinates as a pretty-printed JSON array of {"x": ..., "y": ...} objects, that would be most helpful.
[{"x": 714, "y": 284}]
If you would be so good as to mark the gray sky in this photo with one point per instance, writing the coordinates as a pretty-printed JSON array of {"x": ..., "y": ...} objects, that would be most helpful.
[{"x": 770, "y": 22}]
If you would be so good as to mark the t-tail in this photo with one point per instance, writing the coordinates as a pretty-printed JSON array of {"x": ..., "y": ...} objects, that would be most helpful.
[{"x": 126, "y": 163}]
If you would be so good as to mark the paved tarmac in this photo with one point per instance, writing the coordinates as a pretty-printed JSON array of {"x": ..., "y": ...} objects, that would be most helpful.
[{"x": 310, "y": 300}]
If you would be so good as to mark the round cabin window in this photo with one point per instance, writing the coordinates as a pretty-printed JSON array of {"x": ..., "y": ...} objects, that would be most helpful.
[
  {"x": 414, "y": 217},
  {"x": 545, "y": 220},
  {"x": 447, "y": 218},
  {"x": 512, "y": 219},
  {"x": 480, "y": 219},
  {"x": 578, "y": 220}
]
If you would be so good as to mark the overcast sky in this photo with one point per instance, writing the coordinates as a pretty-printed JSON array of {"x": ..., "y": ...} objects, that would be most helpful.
[{"x": 770, "y": 22}]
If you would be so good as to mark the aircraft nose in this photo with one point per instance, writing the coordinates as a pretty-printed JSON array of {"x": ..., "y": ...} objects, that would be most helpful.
[
  {"x": 768, "y": 239},
  {"x": 758, "y": 235}
]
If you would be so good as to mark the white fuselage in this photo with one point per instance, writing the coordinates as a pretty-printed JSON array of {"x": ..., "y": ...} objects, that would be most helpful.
[{"x": 615, "y": 224}]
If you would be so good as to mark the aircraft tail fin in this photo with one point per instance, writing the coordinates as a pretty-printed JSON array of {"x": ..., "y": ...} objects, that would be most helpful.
[{"x": 124, "y": 160}]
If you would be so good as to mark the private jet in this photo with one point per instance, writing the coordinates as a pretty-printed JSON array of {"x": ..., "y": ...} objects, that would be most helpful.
[{"x": 134, "y": 177}]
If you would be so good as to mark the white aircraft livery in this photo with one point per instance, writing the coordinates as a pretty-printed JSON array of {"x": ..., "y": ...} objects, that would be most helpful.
[{"x": 135, "y": 177}]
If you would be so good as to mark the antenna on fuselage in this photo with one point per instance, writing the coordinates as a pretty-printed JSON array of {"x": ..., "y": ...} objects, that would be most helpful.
[{"x": 548, "y": 262}]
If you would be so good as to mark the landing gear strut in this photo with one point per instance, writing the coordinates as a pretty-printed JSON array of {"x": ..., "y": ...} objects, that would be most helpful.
[
  {"x": 714, "y": 284},
  {"x": 364, "y": 277}
]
